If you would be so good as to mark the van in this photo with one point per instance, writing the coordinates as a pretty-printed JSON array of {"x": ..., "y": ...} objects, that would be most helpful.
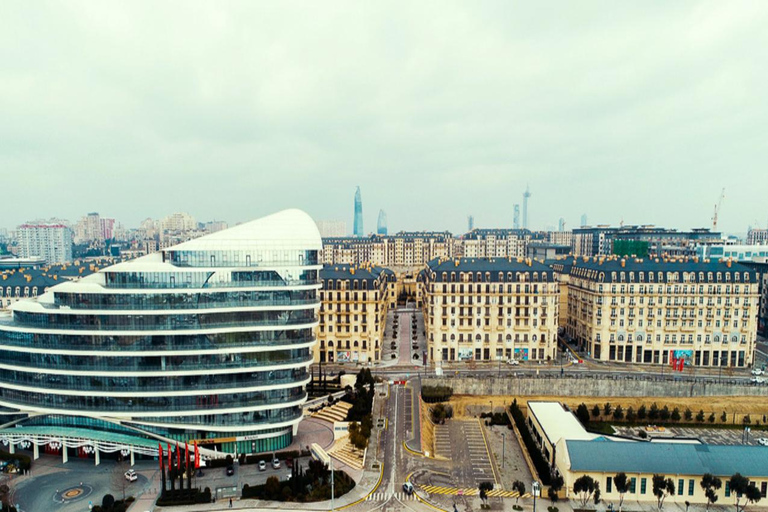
[{"x": 408, "y": 488}]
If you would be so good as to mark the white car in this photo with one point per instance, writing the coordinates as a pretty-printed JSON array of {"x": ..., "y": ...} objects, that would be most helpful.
[
  {"x": 757, "y": 380},
  {"x": 131, "y": 475},
  {"x": 758, "y": 371},
  {"x": 763, "y": 441},
  {"x": 276, "y": 463},
  {"x": 513, "y": 362}
]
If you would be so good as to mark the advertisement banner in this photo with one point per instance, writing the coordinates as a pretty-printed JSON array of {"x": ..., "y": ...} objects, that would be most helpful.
[
  {"x": 466, "y": 354},
  {"x": 521, "y": 354},
  {"x": 343, "y": 356}
]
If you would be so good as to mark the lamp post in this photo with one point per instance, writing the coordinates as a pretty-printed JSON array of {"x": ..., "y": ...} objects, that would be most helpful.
[
  {"x": 503, "y": 449},
  {"x": 333, "y": 493},
  {"x": 535, "y": 492}
]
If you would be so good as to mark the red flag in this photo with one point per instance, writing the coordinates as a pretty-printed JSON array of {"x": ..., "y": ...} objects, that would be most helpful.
[
  {"x": 178, "y": 456},
  {"x": 160, "y": 452},
  {"x": 197, "y": 456},
  {"x": 186, "y": 451},
  {"x": 682, "y": 364},
  {"x": 170, "y": 458}
]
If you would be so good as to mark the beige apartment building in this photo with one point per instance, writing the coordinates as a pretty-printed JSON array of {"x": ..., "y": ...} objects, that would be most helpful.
[
  {"x": 641, "y": 311},
  {"x": 486, "y": 309},
  {"x": 402, "y": 250},
  {"x": 493, "y": 243},
  {"x": 353, "y": 313}
]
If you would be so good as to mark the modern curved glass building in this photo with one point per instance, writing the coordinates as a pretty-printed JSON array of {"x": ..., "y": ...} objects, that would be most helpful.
[{"x": 207, "y": 341}]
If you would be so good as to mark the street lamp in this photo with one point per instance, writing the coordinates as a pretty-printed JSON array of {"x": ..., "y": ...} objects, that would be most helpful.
[
  {"x": 535, "y": 492},
  {"x": 503, "y": 449}
]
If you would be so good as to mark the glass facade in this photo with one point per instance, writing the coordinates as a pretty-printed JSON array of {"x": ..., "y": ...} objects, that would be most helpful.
[{"x": 208, "y": 341}]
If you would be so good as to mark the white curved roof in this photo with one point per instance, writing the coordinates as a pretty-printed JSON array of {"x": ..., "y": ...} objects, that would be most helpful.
[{"x": 288, "y": 229}]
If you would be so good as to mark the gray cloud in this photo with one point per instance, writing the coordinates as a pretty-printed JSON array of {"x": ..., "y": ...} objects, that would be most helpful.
[{"x": 640, "y": 112}]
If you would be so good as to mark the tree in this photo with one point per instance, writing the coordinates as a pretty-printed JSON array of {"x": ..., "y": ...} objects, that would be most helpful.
[
  {"x": 107, "y": 502},
  {"x": 621, "y": 482},
  {"x": 688, "y": 414},
  {"x": 700, "y": 416},
  {"x": 117, "y": 480},
  {"x": 584, "y": 488},
  {"x": 484, "y": 487},
  {"x": 596, "y": 496},
  {"x": 743, "y": 488},
  {"x": 554, "y": 488},
  {"x": 664, "y": 414},
  {"x": 582, "y": 413},
  {"x": 618, "y": 413},
  {"x": 662, "y": 487},
  {"x": 675, "y": 414},
  {"x": 653, "y": 413},
  {"x": 642, "y": 413},
  {"x": 710, "y": 484},
  {"x": 723, "y": 417},
  {"x": 631, "y": 414},
  {"x": 272, "y": 488},
  {"x": 712, "y": 417},
  {"x": 519, "y": 488},
  {"x": 607, "y": 409}
]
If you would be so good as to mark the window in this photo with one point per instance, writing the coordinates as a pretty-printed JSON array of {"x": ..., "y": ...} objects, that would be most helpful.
[
  {"x": 690, "y": 487},
  {"x": 643, "y": 485},
  {"x": 680, "y": 483},
  {"x": 608, "y": 484},
  {"x": 727, "y": 489},
  {"x": 633, "y": 485}
]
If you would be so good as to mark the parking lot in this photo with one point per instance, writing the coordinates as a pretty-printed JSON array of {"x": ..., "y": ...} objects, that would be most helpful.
[{"x": 463, "y": 442}]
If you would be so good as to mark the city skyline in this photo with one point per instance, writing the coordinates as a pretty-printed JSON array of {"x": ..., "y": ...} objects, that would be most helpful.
[{"x": 647, "y": 130}]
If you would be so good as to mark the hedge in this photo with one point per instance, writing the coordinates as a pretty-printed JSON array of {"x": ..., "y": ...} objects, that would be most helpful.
[
  {"x": 25, "y": 462},
  {"x": 542, "y": 466},
  {"x": 434, "y": 394}
]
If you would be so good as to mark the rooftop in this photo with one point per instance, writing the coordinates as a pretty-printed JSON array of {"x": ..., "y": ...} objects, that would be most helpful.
[
  {"x": 557, "y": 422},
  {"x": 491, "y": 265},
  {"x": 609, "y": 265},
  {"x": 604, "y": 455}
]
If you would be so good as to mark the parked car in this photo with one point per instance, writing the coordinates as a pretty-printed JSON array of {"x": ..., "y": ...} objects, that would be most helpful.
[
  {"x": 758, "y": 371},
  {"x": 131, "y": 475},
  {"x": 757, "y": 380},
  {"x": 408, "y": 488},
  {"x": 513, "y": 362},
  {"x": 763, "y": 441},
  {"x": 262, "y": 465},
  {"x": 275, "y": 463},
  {"x": 230, "y": 470},
  {"x": 289, "y": 463}
]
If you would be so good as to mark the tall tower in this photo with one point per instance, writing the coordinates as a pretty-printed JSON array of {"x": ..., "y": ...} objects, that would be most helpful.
[
  {"x": 358, "y": 227},
  {"x": 583, "y": 220},
  {"x": 470, "y": 222},
  {"x": 516, "y": 217},
  {"x": 526, "y": 195},
  {"x": 381, "y": 225},
  {"x": 561, "y": 225}
]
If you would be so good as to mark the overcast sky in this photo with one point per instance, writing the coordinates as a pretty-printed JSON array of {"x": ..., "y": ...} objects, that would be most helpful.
[{"x": 640, "y": 112}]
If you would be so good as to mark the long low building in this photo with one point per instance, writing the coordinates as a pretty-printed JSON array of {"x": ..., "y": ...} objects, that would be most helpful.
[{"x": 602, "y": 459}]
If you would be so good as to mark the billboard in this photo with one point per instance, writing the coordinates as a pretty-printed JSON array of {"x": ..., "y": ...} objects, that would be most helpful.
[
  {"x": 521, "y": 354},
  {"x": 465, "y": 354},
  {"x": 343, "y": 356}
]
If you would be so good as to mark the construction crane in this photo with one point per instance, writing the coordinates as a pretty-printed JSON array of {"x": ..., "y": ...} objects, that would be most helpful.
[{"x": 717, "y": 210}]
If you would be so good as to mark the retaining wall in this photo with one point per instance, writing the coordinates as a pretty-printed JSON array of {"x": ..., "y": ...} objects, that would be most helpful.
[{"x": 593, "y": 386}]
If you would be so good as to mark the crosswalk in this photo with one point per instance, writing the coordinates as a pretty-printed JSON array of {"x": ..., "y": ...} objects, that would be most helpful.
[
  {"x": 385, "y": 496},
  {"x": 455, "y": 491}
]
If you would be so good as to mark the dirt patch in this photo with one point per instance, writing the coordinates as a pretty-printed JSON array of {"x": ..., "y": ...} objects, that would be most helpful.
[{"x": 466, "y": 406}]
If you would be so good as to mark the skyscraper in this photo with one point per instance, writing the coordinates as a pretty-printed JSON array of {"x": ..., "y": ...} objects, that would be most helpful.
[
  {"x": 584, "y": 220},
  {"x": 561, "y": 224},
  {"x": 516, "y": 218},
  {"x": 470, "y": 222},
  {"x": 381, "y": 226},
  {"x": 526, "y": 195},
  {"x": 358, "y": 227}
]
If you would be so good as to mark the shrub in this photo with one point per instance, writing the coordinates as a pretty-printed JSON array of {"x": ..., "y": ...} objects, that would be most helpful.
[
  {"x": 642, "y": 413},
  {"x": 434, "y": 394}
]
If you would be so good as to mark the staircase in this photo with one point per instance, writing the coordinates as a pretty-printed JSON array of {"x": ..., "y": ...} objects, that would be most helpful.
[
  {"x": 343, "y": 451},
  {"x": 336, "y": 412}
]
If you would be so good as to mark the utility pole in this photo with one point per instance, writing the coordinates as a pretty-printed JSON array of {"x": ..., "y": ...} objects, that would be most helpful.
[{"x": 333, "y": 493}]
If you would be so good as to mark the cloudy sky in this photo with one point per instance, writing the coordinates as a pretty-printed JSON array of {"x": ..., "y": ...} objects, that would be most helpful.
[{"x": 640, "y": 112}]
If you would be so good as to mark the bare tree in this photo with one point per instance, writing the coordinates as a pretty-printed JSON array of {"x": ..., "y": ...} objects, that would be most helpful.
[{"x": 118, "y": 482}]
